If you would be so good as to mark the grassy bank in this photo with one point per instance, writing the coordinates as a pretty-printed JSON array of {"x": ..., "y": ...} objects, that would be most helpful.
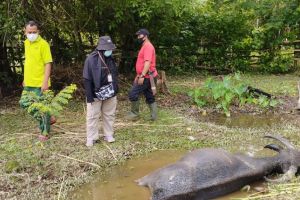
[{"x": 33, "y": 170}]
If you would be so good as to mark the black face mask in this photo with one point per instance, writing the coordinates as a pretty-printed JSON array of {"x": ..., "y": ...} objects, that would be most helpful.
[{"x": 141, "y": 40}]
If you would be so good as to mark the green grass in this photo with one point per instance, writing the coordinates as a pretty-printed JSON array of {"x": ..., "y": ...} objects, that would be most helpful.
[
  {"x": 47, "y": 163},
  {"x": 276, "y": 85},
  {"x": 33, "y": 170}
]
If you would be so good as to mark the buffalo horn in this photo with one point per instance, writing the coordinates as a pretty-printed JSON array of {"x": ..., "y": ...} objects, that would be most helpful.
[
  {"x": 273, "y": 147},
  {"x": 282, "y": 140}
]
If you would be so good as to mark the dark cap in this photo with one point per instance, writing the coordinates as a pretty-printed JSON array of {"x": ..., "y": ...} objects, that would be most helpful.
[
  {"x": 105, "y": 43},
  {"x": 142, "y": 31}
]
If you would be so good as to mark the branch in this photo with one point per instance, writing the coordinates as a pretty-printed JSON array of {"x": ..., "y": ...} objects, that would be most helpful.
[{"x": 93, "y": 164}]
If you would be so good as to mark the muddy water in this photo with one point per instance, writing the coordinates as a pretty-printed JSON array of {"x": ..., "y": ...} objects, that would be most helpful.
[{"x": 118, "y": 183}]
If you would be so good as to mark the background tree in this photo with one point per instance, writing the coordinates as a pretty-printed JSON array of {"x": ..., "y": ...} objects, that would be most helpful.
[{"x": 219, "y": 36}]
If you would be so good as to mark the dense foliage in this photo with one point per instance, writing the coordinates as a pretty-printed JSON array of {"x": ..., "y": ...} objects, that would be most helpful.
[
  {"x": 227, "y": 92},
  {"x": 217, "y": 35}
]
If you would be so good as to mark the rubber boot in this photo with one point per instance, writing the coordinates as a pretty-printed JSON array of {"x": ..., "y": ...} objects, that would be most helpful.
[
  {"x": 135, "y": 109},
  {"x": 153, "y": 109}
]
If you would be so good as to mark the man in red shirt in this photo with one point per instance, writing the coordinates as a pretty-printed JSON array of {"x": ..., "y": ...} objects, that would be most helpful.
[{"x": 145, "y": 68}]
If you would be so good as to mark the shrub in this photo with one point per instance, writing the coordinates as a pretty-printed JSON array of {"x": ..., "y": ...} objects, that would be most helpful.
[{"x": 231, "y": 90}]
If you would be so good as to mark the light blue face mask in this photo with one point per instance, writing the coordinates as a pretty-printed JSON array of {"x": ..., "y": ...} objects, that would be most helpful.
[{"x": 107, "y": 53}]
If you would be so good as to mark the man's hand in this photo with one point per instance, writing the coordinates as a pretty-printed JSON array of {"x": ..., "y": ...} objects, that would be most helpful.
[
  {"x": 141, "y": 80},
  {"x": 45, "y": 86}
]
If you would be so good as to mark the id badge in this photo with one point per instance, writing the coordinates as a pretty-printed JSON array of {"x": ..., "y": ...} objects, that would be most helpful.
[{"x": 109, "y": 78}]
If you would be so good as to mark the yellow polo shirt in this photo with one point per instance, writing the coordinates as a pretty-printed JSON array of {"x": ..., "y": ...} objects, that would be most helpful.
[{"x": 37, "y": 54}]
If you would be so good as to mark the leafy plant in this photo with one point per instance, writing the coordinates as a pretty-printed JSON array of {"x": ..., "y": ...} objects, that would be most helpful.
[
  {"x": 47, "y": 104},
  {"x": 224, "y": 93}
]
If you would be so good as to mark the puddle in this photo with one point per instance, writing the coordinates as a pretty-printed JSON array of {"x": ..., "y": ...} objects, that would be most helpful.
[
  {"x": 119, "y": 183},
  {"x": 248, "y": 120}
]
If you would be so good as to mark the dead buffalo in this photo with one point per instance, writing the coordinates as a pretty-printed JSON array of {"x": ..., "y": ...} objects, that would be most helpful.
[{"x": 209, "y": 173}]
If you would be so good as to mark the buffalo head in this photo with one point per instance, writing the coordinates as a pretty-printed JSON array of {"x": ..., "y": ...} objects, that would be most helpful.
[{"x": 289, "y": 158}]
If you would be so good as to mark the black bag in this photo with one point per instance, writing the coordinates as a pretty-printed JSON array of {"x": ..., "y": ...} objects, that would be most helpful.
[{"x": 106, "y": 91}]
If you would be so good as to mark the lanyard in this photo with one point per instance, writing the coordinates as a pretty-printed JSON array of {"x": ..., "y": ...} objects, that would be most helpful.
[{"x": 103, "y": 62}]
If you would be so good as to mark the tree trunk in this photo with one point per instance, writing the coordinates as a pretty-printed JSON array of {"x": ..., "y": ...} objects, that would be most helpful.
[
  {"x": 6, "y": 74},
  {"x": 4, "y": 67},
  {"x": 162, "y": 83}
]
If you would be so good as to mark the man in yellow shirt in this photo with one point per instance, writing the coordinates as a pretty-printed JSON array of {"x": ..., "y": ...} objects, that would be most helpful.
[{"x": 37, "y": 68}]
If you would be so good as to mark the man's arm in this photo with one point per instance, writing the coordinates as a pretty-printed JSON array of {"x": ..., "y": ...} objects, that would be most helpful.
[
  {"x": 88, "y": 81},
  {"x": 146, "y": 67},
  {"x": 88, "y": 86},
  {"x": 145, "y": 71},
  {"x": 45, "y": 85}
]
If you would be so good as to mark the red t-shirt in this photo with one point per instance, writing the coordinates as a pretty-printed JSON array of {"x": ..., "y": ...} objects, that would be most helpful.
[{"x": 146, "y": 53}]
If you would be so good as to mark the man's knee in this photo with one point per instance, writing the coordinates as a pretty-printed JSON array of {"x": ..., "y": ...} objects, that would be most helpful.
[
  {"x": 149, "y": 98},
  {"x": 133, "y": 98},
  {"x": 133, "y": 95}
]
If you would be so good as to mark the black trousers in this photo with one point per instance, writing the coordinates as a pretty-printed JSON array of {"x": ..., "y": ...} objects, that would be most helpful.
[{"x": 136, "y": 90}]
